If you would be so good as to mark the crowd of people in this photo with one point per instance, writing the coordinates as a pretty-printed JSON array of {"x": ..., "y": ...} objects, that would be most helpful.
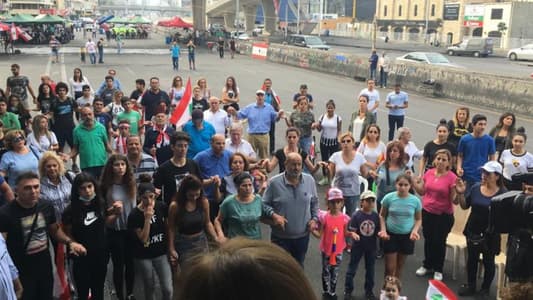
[{"x": 151, "y": 195}]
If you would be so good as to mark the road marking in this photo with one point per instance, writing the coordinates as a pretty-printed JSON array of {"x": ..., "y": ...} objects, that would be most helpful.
[
  {"x": 130, "y": 70},
  {"x": 48, "y": 65},
  {"x": 63, "y": 69}
]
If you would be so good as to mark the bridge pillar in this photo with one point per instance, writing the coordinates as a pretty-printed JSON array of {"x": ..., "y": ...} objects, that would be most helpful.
[
  {"x": 229, "y": 20},
  {"x": 269, "y": 15},
  {"x": 249, "y": 16},
  {"x": 199, "y": 14}
]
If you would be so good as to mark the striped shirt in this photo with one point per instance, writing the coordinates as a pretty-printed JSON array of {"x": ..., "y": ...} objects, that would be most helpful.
[
  {"x": 147, "y": 165},
  {"x": 57, "y": 195}
]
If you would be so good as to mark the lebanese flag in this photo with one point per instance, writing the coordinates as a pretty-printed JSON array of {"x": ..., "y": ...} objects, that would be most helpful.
[
  {"x": 182, "y": 112},
  {"x": 437, "y": 290},
  {"x": 278, "y": 99}
]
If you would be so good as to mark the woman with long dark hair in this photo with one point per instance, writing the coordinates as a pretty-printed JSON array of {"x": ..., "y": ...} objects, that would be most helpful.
[
  {"x": 118, "y": 188},
  {"x": 431, "y": 147},
  {"x": 230, "y": 94},
  {"x": 45, "y": 99},
  {"x": 503, "y": 132},
  {"x": 84, "y": 222},
  {"x": 188, "y": 222},
  {"x": 77, "y": 81}
]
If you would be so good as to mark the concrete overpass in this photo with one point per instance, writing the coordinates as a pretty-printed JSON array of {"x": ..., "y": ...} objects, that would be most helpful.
[
  {"x": 164, "y": 11},
  {"x": 227, "y": 10}
]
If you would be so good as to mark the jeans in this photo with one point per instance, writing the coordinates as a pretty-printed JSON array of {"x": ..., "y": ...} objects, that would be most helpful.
[
  {"x": 122, "y": 259},
  {"x": 175, "y": 63},
  {"x": 188, "y": 246},
  {"x": 351, "y": 203},
  {"x": 330, "y": 273},
  {"x": 488, "y": 264},
  {"x": 305, "y": 143},
  {"x": 383, "y": 78},
  {"x": 297, "y": 248},
  {"x": 435, "y": 230},
  {"x": 370, "y": 260},
  {"x": 372, "y": 73},
  {"x": 92, "y": 57},
  {"x": 161, "y": 266},
  {"x": 89, "y": 274},
  {"x": 395, "y": 122},
  {"x": 101, "y": 57}
]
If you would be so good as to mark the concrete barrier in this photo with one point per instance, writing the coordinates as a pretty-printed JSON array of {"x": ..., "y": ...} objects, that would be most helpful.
[{"x": 465, "y": 87}]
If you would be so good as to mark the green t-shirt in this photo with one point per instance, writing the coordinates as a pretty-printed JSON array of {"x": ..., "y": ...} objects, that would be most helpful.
[
  {"x": 134, "y": 117},
  {"x": 241, "y": 219},
  {"x": 91, "y": 145},
  {"x": 10, "y": 121}
]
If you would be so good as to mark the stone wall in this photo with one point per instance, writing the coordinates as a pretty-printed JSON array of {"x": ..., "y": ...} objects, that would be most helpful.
[{"x": 465, "y": 87}]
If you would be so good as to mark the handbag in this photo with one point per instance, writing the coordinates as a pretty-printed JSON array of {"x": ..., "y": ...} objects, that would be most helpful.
[{"x": 477, "y": 240}]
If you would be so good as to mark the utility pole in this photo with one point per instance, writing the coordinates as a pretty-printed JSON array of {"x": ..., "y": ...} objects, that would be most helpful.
[
  {"x": 427, "y": 23},
  {"x": 297, "y": 17},
  {"x": 374, "y": 32},
  {"x": 237, "y": 4},
  {"x": 320, "y": 15}
]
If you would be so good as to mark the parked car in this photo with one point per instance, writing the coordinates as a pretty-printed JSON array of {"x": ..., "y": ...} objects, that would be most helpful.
[
  {"x": 523, "y": 53},
  {"x": 428, "y": 58},
  {"x": 308, "y": 41},
  {"x": 243, "y": 37},
  {"x": 477, "y": 47}
]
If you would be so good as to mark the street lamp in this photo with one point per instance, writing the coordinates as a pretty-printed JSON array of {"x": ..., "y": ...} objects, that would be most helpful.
[{"x": 427, "y": 22}]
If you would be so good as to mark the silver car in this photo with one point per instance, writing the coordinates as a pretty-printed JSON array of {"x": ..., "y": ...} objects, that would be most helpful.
[
  {"x": 428, "y": 58},
  {"x": 523, "y": 53}
]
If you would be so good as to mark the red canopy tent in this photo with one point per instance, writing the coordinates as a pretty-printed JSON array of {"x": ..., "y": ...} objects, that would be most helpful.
[{"x": 175, "y": 22}]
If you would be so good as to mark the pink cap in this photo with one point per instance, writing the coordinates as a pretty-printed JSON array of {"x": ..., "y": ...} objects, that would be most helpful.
[{"x": 334, "y": 194}]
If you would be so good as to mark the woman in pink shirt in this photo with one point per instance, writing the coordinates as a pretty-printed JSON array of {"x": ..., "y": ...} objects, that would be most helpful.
[{"x": 437, "y": 188}]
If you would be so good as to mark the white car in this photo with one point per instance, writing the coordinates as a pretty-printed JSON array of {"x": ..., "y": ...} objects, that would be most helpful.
[
  {"x": 523, "y": 53},
  {"x": 243, "y": 37},
  {"x": 428, "y": 58}
]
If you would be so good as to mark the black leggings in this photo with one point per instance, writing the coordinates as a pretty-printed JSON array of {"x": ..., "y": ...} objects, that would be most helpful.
[
  {"x": 122, "y": 259},
  {"x": 89, "y": 273},
  {"x": 435, "y": 229}
]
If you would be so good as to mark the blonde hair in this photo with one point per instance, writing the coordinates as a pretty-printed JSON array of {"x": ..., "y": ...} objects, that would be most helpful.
[
  {"x": 243, "y": 269},
  {"x": 346, "y": 134},
  {"x": 10, "y": 136},
  {"x": 50, "y": 155}
]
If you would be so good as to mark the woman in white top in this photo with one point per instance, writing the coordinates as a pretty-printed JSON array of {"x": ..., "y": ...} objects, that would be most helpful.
[
  {"x": 42, "y": 139},
  {"x": 372, "y": 149},
  {"x": 114, "y": 108},
  {"x": 330, "y": 127},
  {"x": 205, "y": 92},
  {"x": 77, "y": 82},
  {"x": 410, "y": 148},
  {"x": 360, "y": 120},
  {"x": 516, "y": 160},
  {"x": 176, "y": 92},
  {"x": 345, "y": 166}
]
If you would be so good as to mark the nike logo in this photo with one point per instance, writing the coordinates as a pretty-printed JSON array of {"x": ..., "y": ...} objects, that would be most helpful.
[{"x": 88, "y": 221}]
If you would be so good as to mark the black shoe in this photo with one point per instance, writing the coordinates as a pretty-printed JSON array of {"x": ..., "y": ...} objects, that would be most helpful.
[
  {"x": 130, "y": 297},
  {"x": 370, "y": 296},
  {"x": 379, "y": 254},
  {"x": 466, "y": 290}
]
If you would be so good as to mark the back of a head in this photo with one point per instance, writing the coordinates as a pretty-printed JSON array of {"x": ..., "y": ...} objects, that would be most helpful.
[{"x": 243, "y": 269}]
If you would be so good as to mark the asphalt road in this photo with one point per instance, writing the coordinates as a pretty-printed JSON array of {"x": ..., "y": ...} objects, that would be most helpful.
[{"x": 422, "y": 117}]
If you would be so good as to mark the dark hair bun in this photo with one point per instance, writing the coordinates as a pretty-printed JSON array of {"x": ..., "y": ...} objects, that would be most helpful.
[
  {"x": 443, "y": 122},
  {"x": 521, "y": 129}
]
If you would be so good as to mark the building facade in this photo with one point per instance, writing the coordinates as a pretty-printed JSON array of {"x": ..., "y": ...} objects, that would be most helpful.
[{"x": 415, "y": 20}]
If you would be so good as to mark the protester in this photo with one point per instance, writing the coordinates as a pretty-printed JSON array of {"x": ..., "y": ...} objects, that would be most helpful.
[{"x": 19, "y": 158}]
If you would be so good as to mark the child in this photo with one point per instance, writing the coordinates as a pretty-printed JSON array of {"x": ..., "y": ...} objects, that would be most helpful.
[
  {"x": 364, "y": 227},
  {"x": 134, "y": 117},
  {"x": 332, "y": 230},
  {"x": 391, "y": 289},
  {"x": 124, "y": 131},
  {"x": 82, "y": 54}
]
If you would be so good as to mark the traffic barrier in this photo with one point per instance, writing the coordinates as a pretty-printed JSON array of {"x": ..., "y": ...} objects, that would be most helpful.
[{"x": 466, "y": 87}]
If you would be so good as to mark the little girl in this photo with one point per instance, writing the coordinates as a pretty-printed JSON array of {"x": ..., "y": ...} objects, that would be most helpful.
[
  {"x": 391, "y": 289},
  {"x": 332, "y": 230}
]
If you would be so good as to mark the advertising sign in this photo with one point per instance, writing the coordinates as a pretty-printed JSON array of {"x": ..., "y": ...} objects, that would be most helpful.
[{"x": 451, "y": 12}]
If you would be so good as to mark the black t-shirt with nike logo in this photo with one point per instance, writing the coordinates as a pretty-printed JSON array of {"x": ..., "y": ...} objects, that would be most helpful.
[
  {"x": 89, "y": 229},
  {"x": 157, "y": 239}
]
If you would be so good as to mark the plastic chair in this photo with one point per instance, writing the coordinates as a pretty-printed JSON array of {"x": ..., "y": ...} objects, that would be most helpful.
[
  {"x": 456, "y": 239},
  {"x": 500, "y": 266}
]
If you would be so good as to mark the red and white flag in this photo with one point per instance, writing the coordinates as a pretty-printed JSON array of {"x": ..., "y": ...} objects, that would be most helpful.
[
  {"x": 14, "y": 35},
  {"x": 182, "y": 112}
]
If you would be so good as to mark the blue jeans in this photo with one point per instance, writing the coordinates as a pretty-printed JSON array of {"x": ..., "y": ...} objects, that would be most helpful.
[
  {"x": 370, "y": 260},
  {"x": 160, "y": 265},
  {"x": 395, "y": 122},
  {"x": 297, "y": 248},
  {"x": 352, "y": 204},
  {"x": 101, "y": 57},
  {"x": 383, "y": 78},
  {"x": 305, "y": 143},
  {"x": 175, "y": 63},
  {"x": 372, "y": 73},
  {"x": 92, "y": 57}
]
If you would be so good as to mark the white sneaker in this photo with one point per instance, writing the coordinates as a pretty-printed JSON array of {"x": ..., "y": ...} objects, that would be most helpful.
[
  {"x": 437, "y": 276},
  {"x": 422, "y": 271}
]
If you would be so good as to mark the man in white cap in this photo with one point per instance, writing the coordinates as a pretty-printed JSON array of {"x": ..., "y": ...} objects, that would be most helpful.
[{"x": 260, "y": 116}]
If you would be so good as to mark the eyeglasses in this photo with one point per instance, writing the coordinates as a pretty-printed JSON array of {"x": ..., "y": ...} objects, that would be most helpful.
[
  {"x": 346, "y": 141},
  {"x": 18, "y": 139}
]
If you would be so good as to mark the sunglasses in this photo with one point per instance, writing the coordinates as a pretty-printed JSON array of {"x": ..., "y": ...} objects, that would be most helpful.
[
  {"x": 346, "y": 141},
  {"x": 18, "y": 139}
]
